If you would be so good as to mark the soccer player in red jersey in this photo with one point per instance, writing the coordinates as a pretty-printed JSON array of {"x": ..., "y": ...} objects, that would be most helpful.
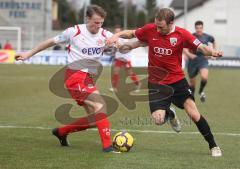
[
  {"x": 85, "y": 46},
  {"x": 166, "y": 42}
]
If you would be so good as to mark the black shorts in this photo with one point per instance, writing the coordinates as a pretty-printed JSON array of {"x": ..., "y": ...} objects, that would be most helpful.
[{"x": 161, "y": 96}]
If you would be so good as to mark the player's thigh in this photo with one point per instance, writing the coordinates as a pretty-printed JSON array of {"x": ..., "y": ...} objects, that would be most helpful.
[
  {"x": 191, "y": 109},
  {"x": 96, "y": 102},
  {"x": 204, "y": 73}
]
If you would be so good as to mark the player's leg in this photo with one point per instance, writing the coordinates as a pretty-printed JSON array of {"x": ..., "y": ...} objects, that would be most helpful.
[
  {"x": 202, "y": 125},
  {"x": 159, "y": 116},
  {"x": 74, "y": 82},
  {"x": 159, "y": 103},
  {"x": 83, "y": 90},
  {"x": 80, "y": 124},
  {"x": 184, "y": 99},
  {"x": 95, "y": 105},
  {"x": 192, "y": 71},
  {"x": 192, "y": 84},
  {"x": 204, "y": 78},
  {"x": 99, "y": 119},
  {"x": 115, "y": 75},
  {"x": 133, "y": 76}
]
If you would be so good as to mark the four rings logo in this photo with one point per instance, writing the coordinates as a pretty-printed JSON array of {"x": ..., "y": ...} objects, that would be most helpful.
[{"x": 162, "y": 51}]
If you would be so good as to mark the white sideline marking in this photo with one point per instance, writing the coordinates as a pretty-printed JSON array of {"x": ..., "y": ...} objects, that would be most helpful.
[{"x": 129, "y": 130}]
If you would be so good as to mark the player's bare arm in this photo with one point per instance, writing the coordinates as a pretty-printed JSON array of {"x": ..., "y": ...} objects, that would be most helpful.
[
  {"x": 127, "y": 47},
  {"x": 126, "y": 34},
  {"x": 189, "y": 54},
  {"x": 214, "y": 44},
  {"x": 44, "y": 45},
  {"x": 207, "y": 51}
]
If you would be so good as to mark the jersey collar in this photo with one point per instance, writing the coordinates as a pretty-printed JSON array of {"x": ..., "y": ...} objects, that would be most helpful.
[{"x": 173, "y": 30}]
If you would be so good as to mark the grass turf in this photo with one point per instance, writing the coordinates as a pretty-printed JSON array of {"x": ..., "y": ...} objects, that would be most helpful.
[{"x": 27, "y": 101}]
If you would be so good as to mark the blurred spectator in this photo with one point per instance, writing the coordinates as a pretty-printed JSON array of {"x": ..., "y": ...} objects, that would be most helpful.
[
  {"x": 0, "y": 46},
  {"x": 8, "y": 46}
]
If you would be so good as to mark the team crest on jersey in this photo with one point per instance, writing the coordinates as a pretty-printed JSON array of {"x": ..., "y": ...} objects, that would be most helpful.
[
  {"x": 173, "y": 41},
  {"x": 100, "y": 42}
]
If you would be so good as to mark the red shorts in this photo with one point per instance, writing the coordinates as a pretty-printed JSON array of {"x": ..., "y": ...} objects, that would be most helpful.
[
  {"x": 79, "y": 84},
  {"x": 120, "y": 63}
]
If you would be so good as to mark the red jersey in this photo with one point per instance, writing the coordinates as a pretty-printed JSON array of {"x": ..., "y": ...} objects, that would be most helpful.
[{"x": 165, "y": 52}]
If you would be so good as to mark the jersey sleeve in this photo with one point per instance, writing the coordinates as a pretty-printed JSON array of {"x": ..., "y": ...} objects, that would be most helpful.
[
  {"x": 141, "y": 33},
  {"x": 190, "y": 41},
  {"x": 211, "y": 39},
  {"x": 64, "y": 37},
  {"x": 109, "y": 34}
]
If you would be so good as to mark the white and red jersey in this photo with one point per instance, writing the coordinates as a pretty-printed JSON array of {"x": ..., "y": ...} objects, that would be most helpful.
[
  {"x": 120, "y": 56},
  {"x": 165, "y": 52},
  {"x": 84, "y": 48}
]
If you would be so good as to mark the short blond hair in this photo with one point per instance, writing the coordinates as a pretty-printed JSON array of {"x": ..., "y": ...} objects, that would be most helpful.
[{"x": 165, "y": 14}]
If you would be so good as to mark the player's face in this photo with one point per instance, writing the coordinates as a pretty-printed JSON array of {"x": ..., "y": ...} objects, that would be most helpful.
[
  {"x": 94, "y": 23},
  {"x": 117, "y": 30},
  {"x": 199, "y": 29},
  {"x": 163, "y": 27}
]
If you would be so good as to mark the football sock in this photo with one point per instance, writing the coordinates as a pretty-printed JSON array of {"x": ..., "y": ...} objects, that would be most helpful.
[
  {"x": 101, "y": 122},
  {"x": 202, "y": 85},
  {"x": 115, "y": 79},
  {"x": 103, "y": 126},
  {"x": 204, "y": 129},
  {"x": 79, "y": 125},
  {"x": 134, "y": 78}
]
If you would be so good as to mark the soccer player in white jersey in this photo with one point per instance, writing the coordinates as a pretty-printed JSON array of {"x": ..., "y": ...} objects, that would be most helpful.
[
  {"x": 123, "y": 60},
  {"x": 85, "y": 46}
]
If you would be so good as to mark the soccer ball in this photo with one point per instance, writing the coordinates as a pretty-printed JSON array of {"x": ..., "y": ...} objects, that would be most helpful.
[{"x": 123, "y": 141}]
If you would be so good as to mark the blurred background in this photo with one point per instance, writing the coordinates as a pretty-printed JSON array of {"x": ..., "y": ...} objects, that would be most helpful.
[{"x": 25, "y": 23}]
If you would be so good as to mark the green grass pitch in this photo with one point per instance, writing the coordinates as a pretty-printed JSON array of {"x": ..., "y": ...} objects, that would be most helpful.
[{"x": 26, "y": 101}]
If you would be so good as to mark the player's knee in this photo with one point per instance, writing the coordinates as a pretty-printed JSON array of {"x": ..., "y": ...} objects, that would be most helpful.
[
  {"x": 158, "y": 117},
  {"x": 99, "y": 107},
  {"x": 191, "y": 109}
]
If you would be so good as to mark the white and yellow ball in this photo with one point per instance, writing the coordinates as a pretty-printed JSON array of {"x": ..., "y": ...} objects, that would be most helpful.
[{"x": 123, "y": 141}]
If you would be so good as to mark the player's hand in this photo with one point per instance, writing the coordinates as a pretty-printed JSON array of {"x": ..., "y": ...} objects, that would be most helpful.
[
  {"x": 23, "y": 56},
  {"x": 110, "y": 41},
  {"x": 217, "y": 54}
]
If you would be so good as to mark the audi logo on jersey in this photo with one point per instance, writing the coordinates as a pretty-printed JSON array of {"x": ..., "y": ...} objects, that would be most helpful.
[
  {"x": 162, "y": 51},
  {"x": 91, "y": 51}
]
